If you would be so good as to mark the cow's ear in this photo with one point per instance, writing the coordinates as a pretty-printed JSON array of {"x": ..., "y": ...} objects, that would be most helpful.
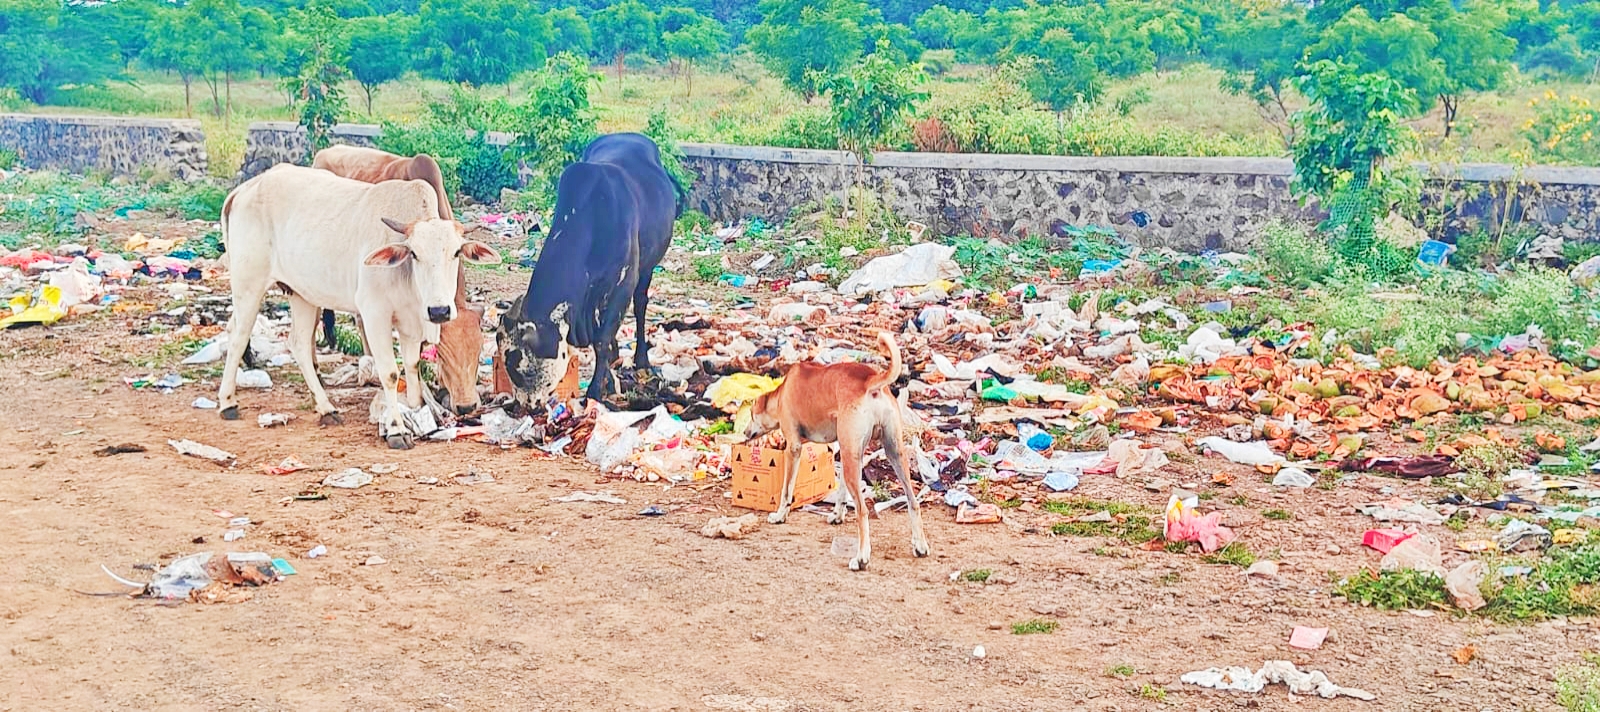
[
  {"x": 398, "y": 226},
  {"x": 478, "y": 253},
  {"x": 389, "y": 255}
]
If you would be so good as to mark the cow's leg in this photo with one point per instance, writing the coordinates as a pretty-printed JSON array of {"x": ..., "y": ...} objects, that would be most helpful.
[
  {"x": 410, "y": 354},
  {"x": 330, "y": 337},
  {"x": 302, "y": 346},
  {"x": 641, "y": 301},
  {"x": 380, "y": 336},
  {"x": 247, "y": 295},
  {"x": 605, "y": 343}
]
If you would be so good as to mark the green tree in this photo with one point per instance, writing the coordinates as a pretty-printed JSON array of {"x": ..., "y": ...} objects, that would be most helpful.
[
  {"x": 1473, "y": 49},
  {"x": 800, "y": 40},
  {"x": 569, "y": 32},
  {"x": 896, "y": 40},
  {"x": 43, "y": 46},
  {"x": 1396, "y": 46},
  {"x": 480, "y": 42},
  {"x": 625, "y": 27},
  {"x": 1343, "y": 146},
  {"x": 1259, "y": 52},
  {"x": 938, "y": 27},
  {"x": 228, "y": 38},
  {"x": 1063, "y": 71},
  {"x": 373, "y": 59},
  {"x": 692, "y": 43},
  {"x": 557, "y": 122},
  {"x": 175, "y": 45},
  {"x": 316, "y": 89},
  {"x": 871, "y": 100},
  {"x": 127, "y": 23}
]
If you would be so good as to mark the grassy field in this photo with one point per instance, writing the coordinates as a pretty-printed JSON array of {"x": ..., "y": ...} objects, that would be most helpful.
[{"x": 741, "y": 99}]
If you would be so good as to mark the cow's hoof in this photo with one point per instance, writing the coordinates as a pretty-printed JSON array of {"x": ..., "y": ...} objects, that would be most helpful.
[
  {"x": 230, "y": 413},
  {"x": 919, "y": 549},
  {"x": 399, "y": 442},
  {"x": 330, "y": 419},
  {"x": 858, "y": 564}
]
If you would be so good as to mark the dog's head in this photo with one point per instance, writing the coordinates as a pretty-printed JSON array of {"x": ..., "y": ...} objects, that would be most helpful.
[{"x": 763, "y": 415}]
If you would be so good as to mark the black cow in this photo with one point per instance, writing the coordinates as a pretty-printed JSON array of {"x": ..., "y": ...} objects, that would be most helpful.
[{"x": 611, "y": 225}]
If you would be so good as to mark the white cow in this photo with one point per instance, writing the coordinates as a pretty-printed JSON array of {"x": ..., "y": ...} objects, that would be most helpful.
[{"x": 380, "y": 251}]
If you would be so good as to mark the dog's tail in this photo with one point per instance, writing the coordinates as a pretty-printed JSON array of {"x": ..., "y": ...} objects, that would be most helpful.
[{"x": 888, "y": 377}]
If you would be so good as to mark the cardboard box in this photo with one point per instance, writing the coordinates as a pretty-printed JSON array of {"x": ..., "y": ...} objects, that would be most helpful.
[{"x": 758, "y": 475}]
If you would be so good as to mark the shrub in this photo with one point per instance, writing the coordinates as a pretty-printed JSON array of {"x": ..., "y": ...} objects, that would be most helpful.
[
  {"x": 1006, "y": 119},
  {"x": 1343, "y": 145},
  {"x": 1291, "y": 254},
  {"x": 556, "y": 123},
  {"x": 453, "y": 132},
  {"x": 1563, "y": 130}
]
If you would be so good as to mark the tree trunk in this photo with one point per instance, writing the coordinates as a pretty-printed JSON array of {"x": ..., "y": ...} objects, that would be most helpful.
[
  {"x": 1450, "y": 105},
  {"x": 188, "y": 105},
  {"x": 621, "y": 54},
  {"x": 368, "y": 91},
  {"x": 688, "y": 78},
  {"x": 227, "y": 78},
  {"x": 216, "y": 99}
]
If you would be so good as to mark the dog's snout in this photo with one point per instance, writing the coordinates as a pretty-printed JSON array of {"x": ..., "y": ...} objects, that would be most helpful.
[
  {"x": 463, "y": 409},
  {"x": 438, "y": 315}
]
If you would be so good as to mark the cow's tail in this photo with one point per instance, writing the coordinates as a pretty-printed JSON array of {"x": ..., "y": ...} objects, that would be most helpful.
[
  {"x": 682, "y": 195},
  {"x": 222, "y": 222}
]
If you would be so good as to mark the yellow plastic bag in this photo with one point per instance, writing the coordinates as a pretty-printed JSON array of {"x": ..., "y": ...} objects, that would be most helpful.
[
  {"x": 46, "y": 310},
  {"x": 741, "y": 388}
]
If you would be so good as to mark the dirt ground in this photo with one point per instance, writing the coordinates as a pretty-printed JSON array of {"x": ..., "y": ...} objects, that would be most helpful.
[{"x": 492, "y": 596}]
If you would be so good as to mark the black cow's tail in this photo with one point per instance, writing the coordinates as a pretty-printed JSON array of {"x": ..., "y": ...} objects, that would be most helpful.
[{"x": 682, "y": 193}]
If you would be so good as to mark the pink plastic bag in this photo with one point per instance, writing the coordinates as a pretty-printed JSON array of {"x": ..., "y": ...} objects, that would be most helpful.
[{"x": 1185, "y": 524}]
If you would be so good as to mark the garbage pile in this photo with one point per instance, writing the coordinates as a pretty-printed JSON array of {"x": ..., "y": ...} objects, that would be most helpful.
[{"x": 44, "y": 287}]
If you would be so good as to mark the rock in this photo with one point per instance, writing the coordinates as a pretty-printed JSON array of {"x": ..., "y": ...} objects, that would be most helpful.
[
  {"x": 979, "y": 653},
  {"x": 375, "y": 561},
  {"x": 730, "y": 527},
  {"x": 1263, "y": 569}
]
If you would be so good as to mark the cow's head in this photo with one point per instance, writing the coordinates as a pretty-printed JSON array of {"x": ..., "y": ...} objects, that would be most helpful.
[
  {"x": 534, "y": 376},
  {"x": 433, "y": 249},
  {"x": 460, "y": 348}
]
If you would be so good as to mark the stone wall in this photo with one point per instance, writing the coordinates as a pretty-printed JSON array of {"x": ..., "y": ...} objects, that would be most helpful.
[
  {"x": 1183, "y": 203},
  {"x": 268, "y": 143},
  {"x": 114, "y": 145}
]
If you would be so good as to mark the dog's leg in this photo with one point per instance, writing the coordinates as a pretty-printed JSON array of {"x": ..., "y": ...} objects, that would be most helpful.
[
  {"x": 892, "y": 449},
  {"x": 850, "y": 455},
  {"x": 790, "y": 474},
  {"x": 838, "y": 507}
]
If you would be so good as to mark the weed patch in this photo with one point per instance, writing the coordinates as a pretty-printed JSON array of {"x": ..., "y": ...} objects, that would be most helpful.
[
  {"x": 1035, "y": 626},
  {"x": 1235, "y": 554},
  {"x": 1394, "y": 590},
  {"x": 1129, "y": 523}
]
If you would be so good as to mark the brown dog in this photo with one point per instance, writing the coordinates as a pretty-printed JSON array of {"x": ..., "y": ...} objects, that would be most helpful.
[{"x": 847, "y": 403}]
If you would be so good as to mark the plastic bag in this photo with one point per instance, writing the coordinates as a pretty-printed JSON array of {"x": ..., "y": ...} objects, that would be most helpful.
[
  {"x": 614, "y": 439},
  {"x": 1184, "y": 523},
  {"x": 914, "y": 266},
  {"x": 46, "y": 309},
  {"x": 1256, "y": 453},
  {"x": 180, "y": 577},
  {"x": 740, "y": 388}
]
